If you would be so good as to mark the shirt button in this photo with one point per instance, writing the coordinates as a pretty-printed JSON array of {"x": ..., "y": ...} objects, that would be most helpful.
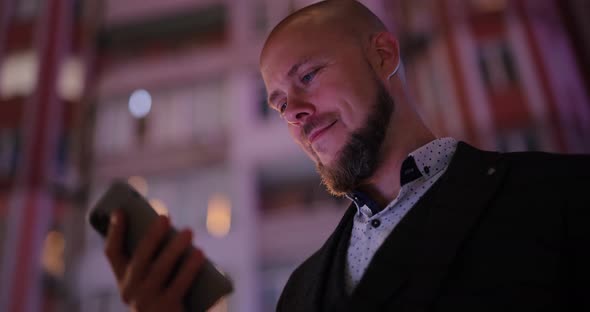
[{"x": 376, "y": 223}]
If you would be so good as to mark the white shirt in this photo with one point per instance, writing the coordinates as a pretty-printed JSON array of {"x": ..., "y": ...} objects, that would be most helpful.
[{"x": 370, "y": 230}]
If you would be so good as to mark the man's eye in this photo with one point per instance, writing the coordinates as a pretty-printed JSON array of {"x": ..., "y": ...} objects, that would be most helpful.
[
  {"x": 283, "y": 107},
  {"x": 309, "y": 77}
]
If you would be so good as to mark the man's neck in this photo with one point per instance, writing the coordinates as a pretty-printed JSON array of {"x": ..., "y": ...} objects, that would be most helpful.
[
  {"x": 407, "y": 132},
  {"x": 384, "y": 185}
]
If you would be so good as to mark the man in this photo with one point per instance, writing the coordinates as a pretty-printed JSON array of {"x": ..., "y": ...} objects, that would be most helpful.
[{"x": 435, "y": 224}]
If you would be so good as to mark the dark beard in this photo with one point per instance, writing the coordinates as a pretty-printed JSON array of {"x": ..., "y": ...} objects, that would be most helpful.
[{"x": 359, "y": 157}]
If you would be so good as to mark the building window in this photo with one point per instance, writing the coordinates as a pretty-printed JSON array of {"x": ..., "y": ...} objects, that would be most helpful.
[
  {"x": 18, "y": 74},
  {"x": 114, "y": 128},
  {"x": 9, "y": 152},
  {"x": 261, "y": 17},
  {"x": 70, "y": 81},
  {"x": 265, "y": 112},
  {"x": 196, "y": 111},
  {"x": 518, "y": 140},
  {"x": 173, "y": 116},
  {"x": 293, "y": 188},
  {"x": 497, "y": 65},
  {"x": 488, "y": 6},
  {"x": 27, "y": 9}
]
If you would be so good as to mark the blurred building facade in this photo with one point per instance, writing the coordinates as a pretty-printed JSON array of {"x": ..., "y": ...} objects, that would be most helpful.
[
  {"x": 479, "y": 76},
  {"x": 170, "y": 99},
  {"x": 181, "y": 113},
  {"x": 46, "y": 50},
  {"x": 501, "y": 74}
]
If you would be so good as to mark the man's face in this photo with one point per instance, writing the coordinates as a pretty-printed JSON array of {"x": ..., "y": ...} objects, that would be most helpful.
[{"x": 323, "y": 86}]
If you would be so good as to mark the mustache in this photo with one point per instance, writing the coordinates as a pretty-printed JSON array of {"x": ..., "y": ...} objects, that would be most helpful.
[{"x": 315, "y": 122}]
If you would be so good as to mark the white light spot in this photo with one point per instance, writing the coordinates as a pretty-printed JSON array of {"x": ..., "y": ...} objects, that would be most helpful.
[{"x": 140, "y": 103}]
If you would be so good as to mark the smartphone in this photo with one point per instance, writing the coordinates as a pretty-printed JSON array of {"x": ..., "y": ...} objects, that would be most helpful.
[{"x": 209, "y": 285}]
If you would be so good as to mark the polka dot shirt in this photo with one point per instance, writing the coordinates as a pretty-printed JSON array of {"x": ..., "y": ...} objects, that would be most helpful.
[{"x": 420, "y": 171}]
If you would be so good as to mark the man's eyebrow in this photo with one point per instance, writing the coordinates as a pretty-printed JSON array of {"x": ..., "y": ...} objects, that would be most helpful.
[
  {"x": 292, "y": 71},
  {"x": 295, "y": 68}
]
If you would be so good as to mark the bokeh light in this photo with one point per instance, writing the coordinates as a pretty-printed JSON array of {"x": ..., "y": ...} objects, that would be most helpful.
[{"x": 140, "y": 103}]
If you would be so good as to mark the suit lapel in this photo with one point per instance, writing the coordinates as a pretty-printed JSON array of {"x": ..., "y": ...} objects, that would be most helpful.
[
  {"x": 420, "y": 249},
  {"x": 320, "y": 266},
  {"x": 391, "y": 265},
  {"x": 472, "y": 179}
]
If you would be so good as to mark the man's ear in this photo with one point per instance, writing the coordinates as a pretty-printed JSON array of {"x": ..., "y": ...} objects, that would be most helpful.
[{"x": 384, "y": 53}]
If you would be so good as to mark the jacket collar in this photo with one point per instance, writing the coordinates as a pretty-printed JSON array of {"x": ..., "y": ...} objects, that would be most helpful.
[
  {"x": 422, "y": 247},
  {"x": 424, "y": 162},
  {"x": 320, "y": 264},
  {"x": 425, "y": 242}
]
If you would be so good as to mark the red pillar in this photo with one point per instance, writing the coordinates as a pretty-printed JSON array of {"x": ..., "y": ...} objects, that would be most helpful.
[{"x": 32, "y": 203}]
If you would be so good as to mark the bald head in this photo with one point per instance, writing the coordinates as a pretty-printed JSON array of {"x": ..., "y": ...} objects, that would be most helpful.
[
  {"x": 329, "y": 71},
  {"x": 348, "y": 18}
]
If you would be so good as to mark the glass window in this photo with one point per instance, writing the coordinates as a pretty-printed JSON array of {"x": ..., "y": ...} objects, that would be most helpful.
[
  {"x": 210, "y": 112},
  {"x": 171, "y": 119},
  {"x": 9, "y": 150},
  {"x": 194, "y": 111},
  {"x": 27, "y": 9},
  {"x": 18, "y": 74},
  {"x": 265, "y": 112},
  {"x": 114, "y": 128},
  {"x": 508, "y": 62},
  {"x": 295, "y": 187},
  {"x": 518, "y": 140},
  {"x": 70, "y": 82},
  {"x": 497, "y": 64},
  {"x": 261, "y": 17}
]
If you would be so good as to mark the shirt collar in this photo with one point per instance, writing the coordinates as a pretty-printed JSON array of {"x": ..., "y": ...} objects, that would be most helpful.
[
  {"x": 361, "y": 199},
  {"x": 426, "y": 161},
  {"x": 434, "y": 156}
]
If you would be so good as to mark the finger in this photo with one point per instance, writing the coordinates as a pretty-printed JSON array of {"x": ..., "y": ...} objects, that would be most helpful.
[
  {"x": 168, "y": 258},
  {"x": 114, "y": 244},
  {"x": 143, "y": 255},
  {"x": 187, "y": 273}
]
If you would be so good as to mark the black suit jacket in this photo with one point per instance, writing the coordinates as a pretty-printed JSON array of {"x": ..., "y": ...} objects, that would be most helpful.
[{"x": 497, "y": 232}]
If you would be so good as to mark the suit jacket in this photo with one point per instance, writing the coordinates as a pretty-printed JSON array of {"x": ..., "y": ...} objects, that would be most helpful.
[{"x": 497, "y": 232}]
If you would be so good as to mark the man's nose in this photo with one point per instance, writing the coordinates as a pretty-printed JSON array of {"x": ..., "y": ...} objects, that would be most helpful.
[{"x": 298, "y": 110}]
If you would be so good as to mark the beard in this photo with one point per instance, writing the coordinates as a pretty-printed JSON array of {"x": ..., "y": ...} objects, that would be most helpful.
[{"x": 360, "y": 156}]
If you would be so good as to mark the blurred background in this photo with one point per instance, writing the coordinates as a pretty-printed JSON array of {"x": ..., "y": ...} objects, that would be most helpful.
[{"x": 166, "y": 94}]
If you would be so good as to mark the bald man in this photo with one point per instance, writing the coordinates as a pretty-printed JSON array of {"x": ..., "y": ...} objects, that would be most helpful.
[{"x": 434, "y": 224}]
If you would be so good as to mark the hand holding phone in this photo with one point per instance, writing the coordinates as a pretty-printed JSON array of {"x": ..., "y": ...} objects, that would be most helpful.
[{"x": 156, "y": 267}]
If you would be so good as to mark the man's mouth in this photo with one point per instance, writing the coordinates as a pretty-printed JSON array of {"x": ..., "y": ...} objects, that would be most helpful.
[{"x": 316, "y": 133}]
